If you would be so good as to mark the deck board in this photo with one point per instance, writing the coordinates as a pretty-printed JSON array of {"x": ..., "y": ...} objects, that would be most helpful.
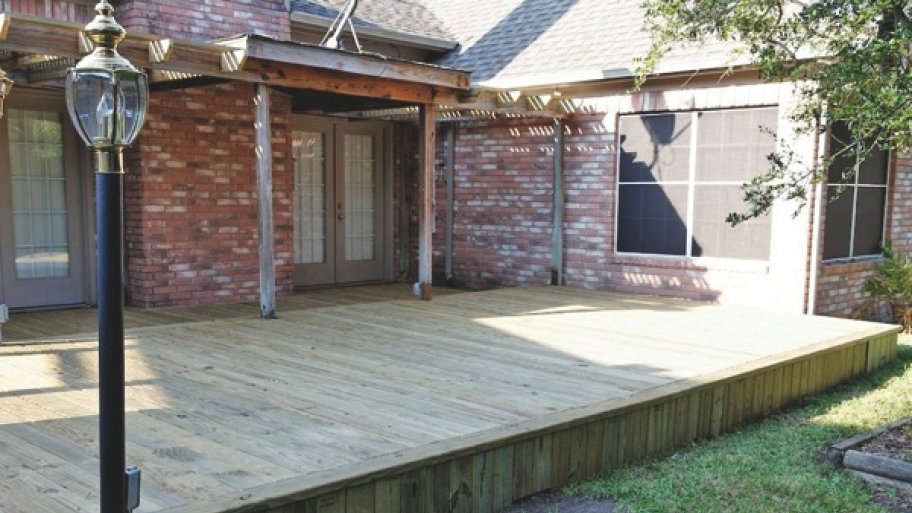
[
  {"x": 222, "y": 405},
  {"x": 79, "y": 323}
]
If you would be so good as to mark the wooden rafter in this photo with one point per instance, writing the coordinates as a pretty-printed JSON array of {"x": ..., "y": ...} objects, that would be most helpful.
[
  {"x": 254, "y": 59},
  {"x": 260, "y": 47}
]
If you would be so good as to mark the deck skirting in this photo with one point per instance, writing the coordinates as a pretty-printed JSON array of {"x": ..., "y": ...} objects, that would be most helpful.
[{"x": 484, "y": 472}]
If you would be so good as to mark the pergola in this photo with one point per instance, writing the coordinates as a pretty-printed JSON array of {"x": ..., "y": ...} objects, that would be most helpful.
[{"x": 37, "y": 50}]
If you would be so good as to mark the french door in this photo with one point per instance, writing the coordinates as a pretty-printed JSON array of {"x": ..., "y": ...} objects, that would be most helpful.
[
  {"x": 340, "y": 201},
  {"x": 42, "y": 227}
]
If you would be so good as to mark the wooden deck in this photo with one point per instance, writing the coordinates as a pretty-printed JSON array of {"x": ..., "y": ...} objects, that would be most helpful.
[
  {"x": 77, "y": 324},
  {"x": 462, "y": 404}
]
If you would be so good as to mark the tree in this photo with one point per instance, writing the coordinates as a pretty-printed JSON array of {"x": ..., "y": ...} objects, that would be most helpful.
[{"x": 850, "y": 60}]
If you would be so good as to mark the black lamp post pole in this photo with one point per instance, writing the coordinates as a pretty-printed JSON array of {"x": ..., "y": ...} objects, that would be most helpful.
[{"x": 109, "y": 212}]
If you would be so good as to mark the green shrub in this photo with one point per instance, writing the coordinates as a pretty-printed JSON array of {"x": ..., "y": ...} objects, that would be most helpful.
[{"x": 892, "y": 282}]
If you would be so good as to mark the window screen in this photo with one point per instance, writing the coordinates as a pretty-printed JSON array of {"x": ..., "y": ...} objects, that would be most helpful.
[
  {"x": 680, "y": 174},
  {"x": 713, "y": 237},
  {"x": 857, "y": 194},
  {"x": 653, "y": 219}
]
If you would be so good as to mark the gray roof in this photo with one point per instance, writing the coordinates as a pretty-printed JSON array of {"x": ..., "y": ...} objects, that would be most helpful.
[
  {"x": 526, "y": 43},
  {"x": 405, "y": 16},
  {"x": 523, "y": 43}
]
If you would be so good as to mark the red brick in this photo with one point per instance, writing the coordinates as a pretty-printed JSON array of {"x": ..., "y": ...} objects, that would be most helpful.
[{"x": 184, "y": 245}]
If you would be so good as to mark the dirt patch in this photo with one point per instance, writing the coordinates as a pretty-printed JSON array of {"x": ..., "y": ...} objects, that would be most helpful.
[
  {"x": 558, "y": 503},
  {"x": 893, "y": 443},
  {"x": 894, "y": 500}
]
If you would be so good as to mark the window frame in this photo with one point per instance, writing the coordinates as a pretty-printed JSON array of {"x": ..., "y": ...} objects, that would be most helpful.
[
  {"x": 855, "y": 186},
  {"x": 691, "y": 184}
]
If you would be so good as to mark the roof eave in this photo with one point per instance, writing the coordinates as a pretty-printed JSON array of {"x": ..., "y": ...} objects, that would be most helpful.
[
  {"x": 254, "y": 59},
  {"x": 390, "y": 36},
  {"x": 593, "y": 78}
]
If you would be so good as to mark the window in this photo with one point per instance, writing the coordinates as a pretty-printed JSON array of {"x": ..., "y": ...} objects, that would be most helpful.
[
  {"x": 680, "y": 174},
  {"x": 854, "y": 224}
]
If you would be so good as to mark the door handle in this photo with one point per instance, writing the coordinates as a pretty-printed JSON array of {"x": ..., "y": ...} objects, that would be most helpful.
[{"x": 341, "y": 217}]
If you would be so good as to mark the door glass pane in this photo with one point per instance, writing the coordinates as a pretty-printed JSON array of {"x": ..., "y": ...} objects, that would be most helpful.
[
  {"x": 360, "y": 163},
  {"x": 39, "y": 194},
  {"x": 309, "y": 198}
]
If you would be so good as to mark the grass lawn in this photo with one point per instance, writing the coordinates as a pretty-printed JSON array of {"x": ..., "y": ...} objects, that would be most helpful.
[{"x": 769, "y": 467}]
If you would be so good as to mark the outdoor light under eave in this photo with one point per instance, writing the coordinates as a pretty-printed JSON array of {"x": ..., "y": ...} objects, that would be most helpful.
[{"x": 106, "y": 95}]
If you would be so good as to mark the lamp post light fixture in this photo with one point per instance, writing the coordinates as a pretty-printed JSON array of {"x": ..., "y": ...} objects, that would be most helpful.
[
  {"x": 6, "y": 84},
  {"x": 107, "y": 99}
]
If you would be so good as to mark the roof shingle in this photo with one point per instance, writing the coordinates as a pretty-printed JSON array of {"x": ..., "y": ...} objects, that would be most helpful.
[
  {"x": 522, "y": 43},
  {"x": 406, "y": 16},
  {"x": 527, "y": 43}
]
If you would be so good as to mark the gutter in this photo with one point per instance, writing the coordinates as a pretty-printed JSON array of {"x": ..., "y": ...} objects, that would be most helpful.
[
  {"x": 814, "y": 264},
  {"x": 557, "y": 215}
]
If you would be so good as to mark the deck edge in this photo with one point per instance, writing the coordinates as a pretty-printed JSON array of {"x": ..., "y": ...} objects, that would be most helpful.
[{"x": 706, "y": 404}]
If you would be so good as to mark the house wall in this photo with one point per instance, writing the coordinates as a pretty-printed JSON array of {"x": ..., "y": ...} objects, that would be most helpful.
[
  {"x": 191, "y": 203},
  {"x": 405, "y": 201},
  {"x": 206, "y": 19},
  {"x": 502, "y": 230},
  {"x": 839, "y": 283},
  {"x": 61, "y": 10},
  {"x": 503, "y": 208}
]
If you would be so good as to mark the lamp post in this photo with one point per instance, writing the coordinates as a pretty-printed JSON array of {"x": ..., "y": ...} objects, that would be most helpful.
[{"x": 107, "y": 99}]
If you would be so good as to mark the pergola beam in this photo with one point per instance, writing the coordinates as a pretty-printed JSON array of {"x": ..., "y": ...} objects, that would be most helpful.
[
  {"x": 253, "y": 59},
  {"x": 313, "y": 56}
]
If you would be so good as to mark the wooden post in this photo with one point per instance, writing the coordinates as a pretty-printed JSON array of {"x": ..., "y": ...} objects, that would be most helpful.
[
  {"x": 557, "y": 230},
  {"x": 263, "y": 126},
  {"x": 427, "y": 120}
]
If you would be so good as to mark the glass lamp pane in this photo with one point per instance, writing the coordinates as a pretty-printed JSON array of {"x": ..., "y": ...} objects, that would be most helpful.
[
  {"x": 90, "y": 99},
  {"x": 132, "y": 101},
  {"x": 6, "y": 85}
]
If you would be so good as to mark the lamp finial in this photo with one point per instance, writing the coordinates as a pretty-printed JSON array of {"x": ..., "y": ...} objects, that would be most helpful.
[{"x": 104, "y": 30}]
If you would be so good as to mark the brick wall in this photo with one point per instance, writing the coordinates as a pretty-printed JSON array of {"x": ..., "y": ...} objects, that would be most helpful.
[
  {"x": 405, "y": 205},
  {"x": 503, "y": 219},
  {"x": 502, "y": 230},
  {"x": 839, "y": 288},
  {"x": 839, "y": 283},
  {"x": 440, "y": 187},
  {"x": 900, "y": 203},
  {"x": 589, "y": 184},
  {"x": 61, "y": 10},
  {"x": 191, "y": 198},
  {"x": 205, "y": 19}
]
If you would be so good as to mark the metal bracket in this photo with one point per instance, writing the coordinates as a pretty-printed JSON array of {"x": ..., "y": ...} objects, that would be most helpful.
[
  {"x": 4, "y": 316},
  {"x": 132, "y": 482}
]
